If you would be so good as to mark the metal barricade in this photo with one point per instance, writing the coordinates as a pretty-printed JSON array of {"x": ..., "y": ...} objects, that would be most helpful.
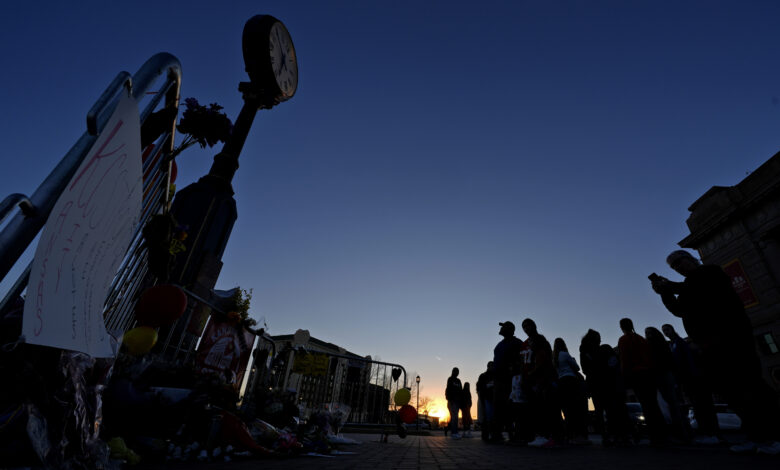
[
  {"x": 22, "y": 229},
  {"x": 327, "y": 380}
]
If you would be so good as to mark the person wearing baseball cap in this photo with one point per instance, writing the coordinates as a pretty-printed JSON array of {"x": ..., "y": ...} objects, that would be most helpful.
[
  {"x": 506, "y": 362},
  {"x": 508, "y": 325}
]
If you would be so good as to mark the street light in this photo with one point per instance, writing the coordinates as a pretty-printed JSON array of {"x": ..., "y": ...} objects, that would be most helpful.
[{"x": 418, "y": 402}]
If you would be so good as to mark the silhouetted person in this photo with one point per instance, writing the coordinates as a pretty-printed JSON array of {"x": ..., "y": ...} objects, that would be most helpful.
[
  {"x": 506, "y": 359},
  {"x": 465, "y": 409},
  {"x": 637, "y": 367},
  {"x": 485, "y": 385},
  {"x": 453, "y": 393},
  {"x": 601, "y": 366},
  {"x": 696, "y": 387},
  {"x": 714, "y": 318},
  {"x": 521, "y": 416},
  {"x": 663, "y": 367},
  {"x": 540, "y": 382},
  {"x": 571, "y": 390}
]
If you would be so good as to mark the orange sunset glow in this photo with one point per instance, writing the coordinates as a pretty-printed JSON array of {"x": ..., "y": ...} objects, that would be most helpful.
[{"x": 439, "y": 409}]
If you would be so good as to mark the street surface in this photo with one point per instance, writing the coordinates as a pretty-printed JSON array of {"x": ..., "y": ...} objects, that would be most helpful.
[{"x": 440, "y": 453}]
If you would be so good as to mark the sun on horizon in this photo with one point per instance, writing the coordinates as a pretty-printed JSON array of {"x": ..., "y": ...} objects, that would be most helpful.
[{"x": 439, "y": 409}]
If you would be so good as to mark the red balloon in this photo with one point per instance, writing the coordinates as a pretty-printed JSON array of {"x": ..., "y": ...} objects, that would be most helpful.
[
  {"x": 160, "y": 305},
  {"x": 408, "y": 414}
]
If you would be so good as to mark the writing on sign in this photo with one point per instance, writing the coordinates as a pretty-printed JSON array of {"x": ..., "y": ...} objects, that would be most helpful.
[{"x": 84, "y": 241}]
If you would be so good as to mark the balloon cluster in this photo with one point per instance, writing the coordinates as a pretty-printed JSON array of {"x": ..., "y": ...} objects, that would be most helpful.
[
  {"x": 407, "y": 413},
  {"x": 158, "y": 306}
]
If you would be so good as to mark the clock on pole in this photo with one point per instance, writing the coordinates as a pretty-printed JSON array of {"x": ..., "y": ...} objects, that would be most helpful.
[{"x": 270, "y": 59}]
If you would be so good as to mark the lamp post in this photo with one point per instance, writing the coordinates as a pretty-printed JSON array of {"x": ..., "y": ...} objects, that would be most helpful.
[{"x": 418, "y": 401}]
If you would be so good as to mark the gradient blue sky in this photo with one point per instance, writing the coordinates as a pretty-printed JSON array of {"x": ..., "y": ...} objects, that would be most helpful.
[{"x": 444, "y": 165}]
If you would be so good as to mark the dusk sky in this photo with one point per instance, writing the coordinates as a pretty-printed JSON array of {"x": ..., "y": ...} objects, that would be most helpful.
[{"x": 444, "y": 165}]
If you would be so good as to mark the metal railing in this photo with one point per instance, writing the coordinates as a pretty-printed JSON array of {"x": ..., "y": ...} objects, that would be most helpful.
[
  {"x": 365, "y": 386},
  {"x": 22, "y": 229}
]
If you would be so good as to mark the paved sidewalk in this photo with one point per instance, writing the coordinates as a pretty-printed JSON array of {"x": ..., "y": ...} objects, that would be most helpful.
[{"x": 440, "y": 453}]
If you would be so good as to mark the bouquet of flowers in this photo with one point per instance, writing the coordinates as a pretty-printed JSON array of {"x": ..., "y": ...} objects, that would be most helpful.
[{"x": 204, "y": 125}]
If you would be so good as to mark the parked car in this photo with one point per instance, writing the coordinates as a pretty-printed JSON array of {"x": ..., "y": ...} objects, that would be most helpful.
[
  {"x": 424, "y": 424},
  {"x": 727, "y": 418},
  {"x": 636, "y": 414},
  {"x": 638, "y": 424}
]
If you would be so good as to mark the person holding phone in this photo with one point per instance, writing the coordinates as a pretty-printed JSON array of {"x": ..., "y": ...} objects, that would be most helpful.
[{"x": 714, "y": 318}]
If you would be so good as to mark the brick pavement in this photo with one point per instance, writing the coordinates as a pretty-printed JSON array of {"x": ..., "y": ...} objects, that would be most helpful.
[{"x": 440, "y": 453}]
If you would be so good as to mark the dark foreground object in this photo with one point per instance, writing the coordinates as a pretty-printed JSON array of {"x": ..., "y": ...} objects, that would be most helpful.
[{"x": 438, "y": 452}]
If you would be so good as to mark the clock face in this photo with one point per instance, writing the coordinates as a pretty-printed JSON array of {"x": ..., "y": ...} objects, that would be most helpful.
[{"x": 283, "y": 63}]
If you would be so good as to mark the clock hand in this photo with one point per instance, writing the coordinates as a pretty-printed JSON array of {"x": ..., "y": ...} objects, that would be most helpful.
[{"x": 281, "y": 49}]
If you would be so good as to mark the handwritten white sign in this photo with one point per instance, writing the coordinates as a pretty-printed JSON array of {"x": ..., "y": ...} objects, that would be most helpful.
[{"x": 84, "y": 241}]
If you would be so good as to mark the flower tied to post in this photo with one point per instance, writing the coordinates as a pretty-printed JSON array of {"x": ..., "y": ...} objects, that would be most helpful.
[
  {"x": 177, "y": 241},
  {"x": 204, "y": 125}
]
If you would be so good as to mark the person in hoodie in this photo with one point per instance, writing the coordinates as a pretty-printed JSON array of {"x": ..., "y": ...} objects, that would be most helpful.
[{"x": 454, "y": 394}]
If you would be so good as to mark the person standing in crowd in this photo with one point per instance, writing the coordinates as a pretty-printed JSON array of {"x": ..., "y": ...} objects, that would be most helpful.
[
  {"x": 696, "y": 386},
  {"x": 605, "y": 384},
  {"x": 663, "y": 367},
  {"x": 637, "y": 368},
  {"x": 485, "y": 384},
  {"x": 506, "y": 358},
  {"x": 714, "y": 318},
  {"x": 571, "y": 390},
  {"x": 540, "y": 383},
  {"x": 453, "y": 393},
  {"x": 520, "y": 415},
  {"x": 594, "y": 380},
  {"x": 465, "y": 409}
]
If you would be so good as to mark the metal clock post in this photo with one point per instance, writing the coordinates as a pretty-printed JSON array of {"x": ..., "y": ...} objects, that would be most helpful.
[{"x": 207, "y": 207}]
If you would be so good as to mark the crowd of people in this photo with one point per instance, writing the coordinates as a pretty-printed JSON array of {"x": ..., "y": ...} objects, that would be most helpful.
[{"x": 535, "y": 394}]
